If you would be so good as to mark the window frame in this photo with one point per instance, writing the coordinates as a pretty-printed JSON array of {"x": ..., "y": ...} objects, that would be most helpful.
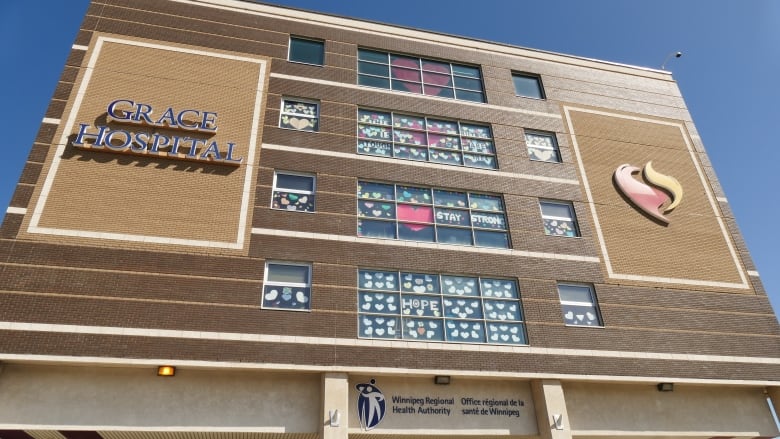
[
  {"x": 444, "y": 318},
  {"x": 316, "y": 117},
  {"x": 593, "y": 305},
  {"x": 300, "y": 38},
  {"x": 266, "y": 283},
  {"x": 572, "y": 219},
  {"x": 427, "y": 131},
  {"x": 421, "y": 74},
  {"x": 434, "y": 209},
  {"x": 313, "y": 193},
  {"x": 555, "y": 148},
  {"x": 538, "y": 78}
]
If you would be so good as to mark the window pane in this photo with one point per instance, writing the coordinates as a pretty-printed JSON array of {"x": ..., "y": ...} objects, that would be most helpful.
[
  {"x": 307, "y": 51},
  {"x": 371, "y": 55},
  {"x": 467, "y": 83},
  {"x": 485, "y": 202},
  {"x": 488, "y": 220},
  {"x": 502, "y": 310},
  {"x": 580, "y": 315},
  {"x": 460, "y": 285},
  {"x": 406, "y": 74},
  {"x": 506, "y": 333},
  {"x": 411, "y": 153},
  {"x": 298, "y": 274},
  {"x": 491, "y": 239},
  {"x": 376, "y": 210},
  {"x": 466, "y": 95},
  {"x": 437, "y": 79},
  {"x": 409, "y": 122},
  {"x": 374, "y": 132},
  {"x": 286, "y": 297},
  {"x": 452, "y": 217},
  {"x": 375, "y": 148},
  {"x": 420, "y": 283},
  {"x": 479, "y": 131},
  {"x": 373, "y": 81},
  {"x": 450, "y": 235},
  {"x": 376, "y": 229},
  {"x": 436, "y": 66},
  {"x": 405, "y": 61},
  {"x": 527, "y": 86},
  {"x": 465, "y": 331},
  {"x": 379, "y": 303},
  {"x": 458, "y": 308},
  {"x": 412, "y": 194},
  {"x": 499, "y": 288},
  {"x": 449, "y": 198},
  {"x": 439, "y": 141},
  {"x": 377, "y": 191},
  {"x": 423, "y": 306},
  {"x": 556, "y": 209},
  {"x": 415, "y": 232},
  {"x": 575, "y": 293},
  {"x": 409, "y": 87},
  {"x": 423, "y": 329},
  {"x": 419, "y": 214},
  {"x": 446, "y": 157},
  {"x": 378, "y": 280},
  {"x": 374, "y": 117},
  {"x": 479, "y": 161},
  {"x": 435, "y": 90},
  {"x": 409, "y": 137},
  {"x": 544, "y": 155},
  {"x": 373, "y": 69},
  {"x": 471, "y": 72},
  {"x": 380, "y": 327},
  {"x": 443, "y": 126},
  {"x": 295, "y": 182},
  {"x": 294, "y": 202}
]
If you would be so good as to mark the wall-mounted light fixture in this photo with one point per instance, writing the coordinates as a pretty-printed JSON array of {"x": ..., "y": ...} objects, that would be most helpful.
[
  {"x": 442, "y": 379},
  {"x": 557, "y": 421},
  {"x": 166, "y": 371},
  {"x": 665, "y": 387},
  {"x": 335, "y": 418}
]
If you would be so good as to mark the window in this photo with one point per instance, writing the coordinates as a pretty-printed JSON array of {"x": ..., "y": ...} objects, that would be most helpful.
[
  {"x": 307, "y": 51},
  {"x": 432, "y": 307},
  {"x": 529, "y": 86},
  {"x": 433, "y": 215},
  {"x": 578, "y": 303},
  {"x": 559, "y": 219},
  {"x": 297, "y": 114},
  {"x": 423, "y": 138},
  {"x": 287, "y": 286},
  {"x": 542, "y": 147},
  {"x": 293, "y": 192},
  {"x": 418, "y": 75}
]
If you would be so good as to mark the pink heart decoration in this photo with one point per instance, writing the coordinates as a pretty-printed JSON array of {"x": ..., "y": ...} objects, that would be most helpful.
[{"x": 418, "y": 214}]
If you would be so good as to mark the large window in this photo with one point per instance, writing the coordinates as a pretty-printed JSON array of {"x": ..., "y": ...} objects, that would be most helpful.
[
  {"x": 298, "y": 114},
  {"x": 542, "y": 146},
  {"x": 293, "y": 191},
  {"x": 433, "y": 307},
  {"x": 527, "y": 85},
  {"x": 307, "y": 51},
  {"x": 423, "y": 138},
  {"x": 418, "y": 75},
  {"x": 287, "y": 286},
  {"x": 435, "y": 215},
  {"x": 579, "y": 306},
  {"x": 559, "y": 219}
]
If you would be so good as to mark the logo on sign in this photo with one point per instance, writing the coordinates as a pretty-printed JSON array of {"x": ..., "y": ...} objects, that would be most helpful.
[
  {"x": 657, "y": 195},
  {"x": 371, "y": 405}
]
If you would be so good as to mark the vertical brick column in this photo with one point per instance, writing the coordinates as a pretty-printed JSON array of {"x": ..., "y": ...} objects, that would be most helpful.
[{"x": 550, "y": 403}]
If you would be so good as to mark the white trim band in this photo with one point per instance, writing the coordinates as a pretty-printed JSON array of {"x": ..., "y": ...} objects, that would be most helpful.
[
  {"x": 79, "y": 47},
  {"x": 51, "y": 120},
  {"x": 16, "y": 210}
]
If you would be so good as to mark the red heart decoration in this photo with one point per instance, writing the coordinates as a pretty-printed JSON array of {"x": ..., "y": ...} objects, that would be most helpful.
[{"x": 418, "y": 214}]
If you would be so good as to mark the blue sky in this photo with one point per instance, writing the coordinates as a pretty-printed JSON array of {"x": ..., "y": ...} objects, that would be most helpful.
[{"x": 728, "y": 74}]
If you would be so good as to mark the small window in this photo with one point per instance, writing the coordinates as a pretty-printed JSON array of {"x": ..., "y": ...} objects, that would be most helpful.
[
  {"x": 293, "y": 192},
  {"x": 307, "y": 51},
  {"x": 542, "y": 147},
  {"x": 559, "y": 219},
  {"x": 579, "y": 306},
  {"x": 529, "y": 86},
  {"x": 287, "y": 286},
  {"x": 297, "y": 114}
]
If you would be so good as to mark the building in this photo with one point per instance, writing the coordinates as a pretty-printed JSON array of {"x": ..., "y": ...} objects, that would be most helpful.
[{"x": 336, "y": 228}]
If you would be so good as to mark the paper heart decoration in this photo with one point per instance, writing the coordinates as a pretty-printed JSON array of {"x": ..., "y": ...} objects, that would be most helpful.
[
  {"x": 271, "y": 295},
  {"x": 366, "y": 306},
  {"x": 379, "y": 331},
  {"x": 300, "y": 124},
  {"x": 649, "y": 199},
  {"x": 569, "y": 315}
]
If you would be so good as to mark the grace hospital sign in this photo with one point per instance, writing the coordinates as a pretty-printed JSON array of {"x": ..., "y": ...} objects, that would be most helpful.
[{"x": 145, "y": 143}]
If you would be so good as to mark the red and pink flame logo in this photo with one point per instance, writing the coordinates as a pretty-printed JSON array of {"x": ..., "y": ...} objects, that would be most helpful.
[{"x": 649, "y": 199}]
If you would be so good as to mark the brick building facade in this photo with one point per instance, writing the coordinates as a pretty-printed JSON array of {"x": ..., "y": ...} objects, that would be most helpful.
[{"x": 296, "y": 210}]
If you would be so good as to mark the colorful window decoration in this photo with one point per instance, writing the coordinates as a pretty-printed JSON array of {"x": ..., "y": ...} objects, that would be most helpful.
[
  {"x": 425, "y": 139},
  {"x": 297, "y": 114},
  {"x": 411, "y": 213},
  {"x": 542, "y": 147},
  {"x": 306, "y": 51},
  {"x": 419, "y": 75},
  {"x": 293, "y": 192},
  {"x": 578, "y": 303},
  {"x": 287, "y": 286},
  {"x": 528, "y": 85},
  {"x": 444, "y": 308},
  {"x": 559, "y": 219}
]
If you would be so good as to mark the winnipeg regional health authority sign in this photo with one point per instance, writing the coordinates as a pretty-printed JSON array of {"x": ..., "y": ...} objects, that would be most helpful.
[
  {"x": 193, "y": 144},
  {"x": 387, "y": 405}
]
